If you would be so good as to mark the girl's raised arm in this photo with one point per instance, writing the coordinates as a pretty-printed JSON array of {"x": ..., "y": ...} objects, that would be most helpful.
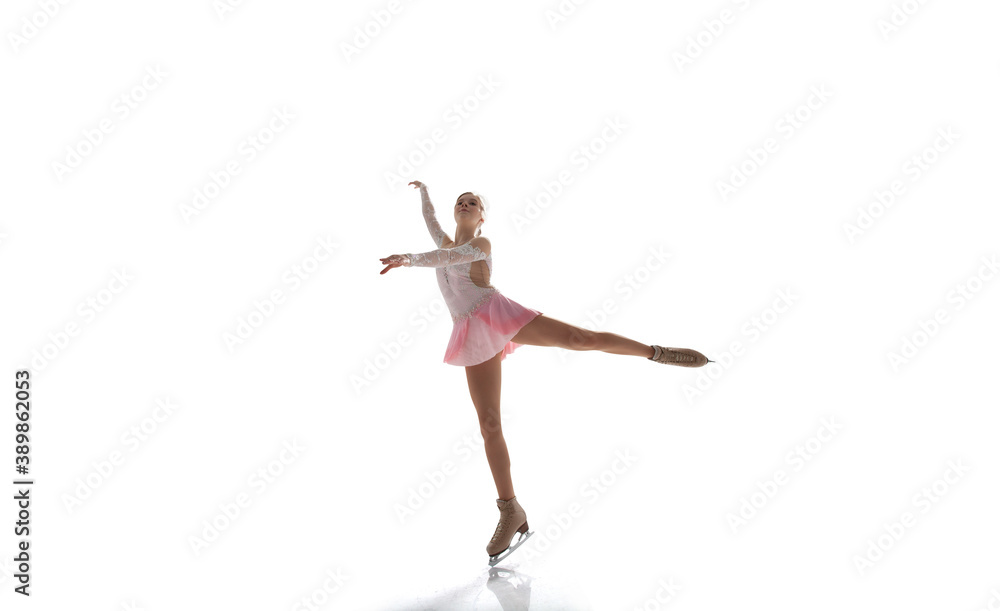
[{"x": 433, "y": 226}]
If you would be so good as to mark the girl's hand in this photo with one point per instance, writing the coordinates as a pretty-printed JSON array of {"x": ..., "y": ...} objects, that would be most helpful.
[
  {"x": 418, "y": 184},
  {"x": 394, "y": 261}
]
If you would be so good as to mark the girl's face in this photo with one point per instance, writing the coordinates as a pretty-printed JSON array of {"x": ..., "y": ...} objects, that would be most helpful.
[{"x": 468, "y": 207}]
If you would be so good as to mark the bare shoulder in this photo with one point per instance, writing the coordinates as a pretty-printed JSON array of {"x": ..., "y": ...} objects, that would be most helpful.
[{"x": 482, "y": 243}]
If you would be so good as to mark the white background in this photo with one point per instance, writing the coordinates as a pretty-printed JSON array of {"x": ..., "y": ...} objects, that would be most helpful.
[{"x": 336, "y": 172}]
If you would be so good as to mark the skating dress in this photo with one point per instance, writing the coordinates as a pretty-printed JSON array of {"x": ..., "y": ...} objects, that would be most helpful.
[{"x": 483, "y": 319}]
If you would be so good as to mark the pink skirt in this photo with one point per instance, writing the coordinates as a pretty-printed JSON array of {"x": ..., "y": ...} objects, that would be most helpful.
[{"x": 487, "y": 331}]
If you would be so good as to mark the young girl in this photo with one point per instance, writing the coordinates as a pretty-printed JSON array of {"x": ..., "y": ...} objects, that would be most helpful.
[{"x": 488, "y": 326}]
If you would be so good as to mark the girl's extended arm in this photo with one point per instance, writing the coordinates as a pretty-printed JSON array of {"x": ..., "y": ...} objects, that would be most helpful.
[{"x": 476, "y": 250}]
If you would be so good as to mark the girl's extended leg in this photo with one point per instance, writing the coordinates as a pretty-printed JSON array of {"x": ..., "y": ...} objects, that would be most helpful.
[
  {"x": 484, "y": 386},
  {"x": 547, "y": 331}
]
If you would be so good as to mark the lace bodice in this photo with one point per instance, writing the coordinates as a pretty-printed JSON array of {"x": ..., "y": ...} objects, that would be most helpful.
[{"x": 463, "y": 272}]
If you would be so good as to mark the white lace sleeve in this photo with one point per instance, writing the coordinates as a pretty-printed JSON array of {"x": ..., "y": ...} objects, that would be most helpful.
[
  {"x": 432, "y": 223},
  {"x": 443, "y": 257}
]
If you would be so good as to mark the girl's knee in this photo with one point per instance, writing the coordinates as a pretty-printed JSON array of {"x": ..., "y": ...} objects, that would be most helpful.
[
  {"x": 490, "y": 431},
  {"x": 582, "y": 339},
  {"x": 489, "y": 423}
]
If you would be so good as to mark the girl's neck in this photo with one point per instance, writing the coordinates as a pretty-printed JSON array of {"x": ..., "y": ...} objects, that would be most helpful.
[{"x": 461, "y": 238}]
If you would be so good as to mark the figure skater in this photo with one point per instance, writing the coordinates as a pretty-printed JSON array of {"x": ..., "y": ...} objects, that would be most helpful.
[{"x": 488, "y": 326}]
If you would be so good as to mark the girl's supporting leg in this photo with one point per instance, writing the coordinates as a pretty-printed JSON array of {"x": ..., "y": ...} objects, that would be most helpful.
[
  {"x": 484, "y": 386},
  {"x": 546, "y": 331}
]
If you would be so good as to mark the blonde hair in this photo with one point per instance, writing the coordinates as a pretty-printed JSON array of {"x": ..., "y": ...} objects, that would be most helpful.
[{"x": 484, "y": 207}]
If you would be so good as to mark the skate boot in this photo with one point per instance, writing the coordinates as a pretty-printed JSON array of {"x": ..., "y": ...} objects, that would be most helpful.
[
  {"x": 682, "y": 357},
  {"x": 512, "y": 519}
]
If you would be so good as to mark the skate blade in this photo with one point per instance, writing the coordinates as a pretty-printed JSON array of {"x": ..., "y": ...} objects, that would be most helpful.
[{"x": 522, "y": 537}]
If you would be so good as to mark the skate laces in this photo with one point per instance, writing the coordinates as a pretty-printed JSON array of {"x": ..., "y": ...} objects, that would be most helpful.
[
  {"x": 501, "y": 525},
  {"x": 672, "y": 356},
  {"x": 506, "y": 515}
]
